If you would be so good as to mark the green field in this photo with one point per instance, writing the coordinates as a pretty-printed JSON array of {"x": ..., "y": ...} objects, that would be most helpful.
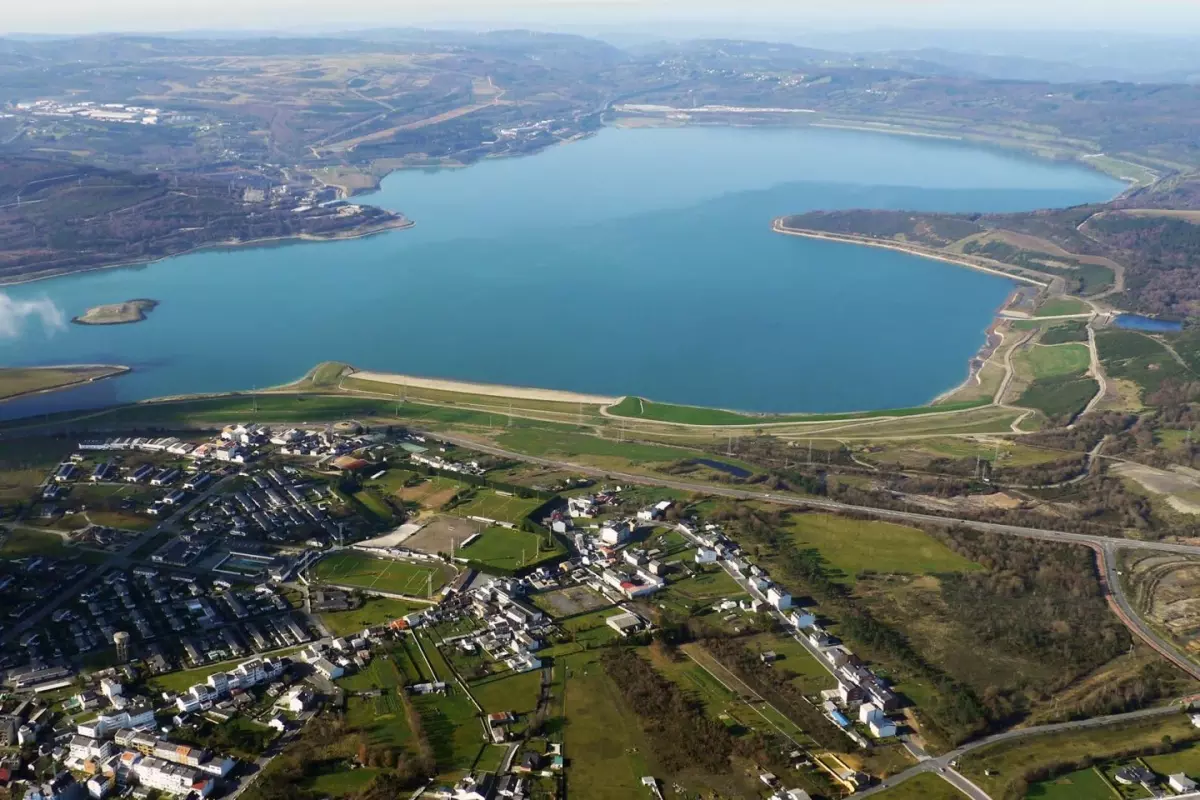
[
  {"x": 603, "y": 738},
  {"x": 22, "y": 543},
  {"x": 1059, "y": 397},
  {"x": 511, "y": 549},
  {"x": 1185, "y": 759},
  {"x": 1042, "y": 362},
  {"x": 1084, "y": 784},
  {"x": 810, "y": 677},
  {"x": 1061, "y": 306},
  {"x": 922, "y": 787},
  {"x": 552, "y": 443},
  {"x": 22, "y": 380},
  {"x": 492, "y": 505},
  {"x": 352, "y": 568},
  {"x": 852, "y": 546},
  {"x": 1072, "y": 330},
  {"x": 373, "y": 611},
  {"x": 640, "y": 408},
  {"x": 340, "y": 782},
  {"x": 1133, "y": 356},
  {"x": 516, "y": 693},
  {"x": 1008, "y": 761},
  {"x": 706, "y": 587}
]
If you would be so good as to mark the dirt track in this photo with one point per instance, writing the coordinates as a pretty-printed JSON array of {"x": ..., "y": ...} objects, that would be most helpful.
[{"x": 487, "y": 389}]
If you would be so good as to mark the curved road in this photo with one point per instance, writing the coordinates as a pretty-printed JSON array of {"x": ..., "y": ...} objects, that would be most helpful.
[{"x": 1105, "y": 547}]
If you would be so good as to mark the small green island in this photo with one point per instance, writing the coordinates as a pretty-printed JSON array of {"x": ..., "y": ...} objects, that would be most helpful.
[{"x": 117, "y": 313}]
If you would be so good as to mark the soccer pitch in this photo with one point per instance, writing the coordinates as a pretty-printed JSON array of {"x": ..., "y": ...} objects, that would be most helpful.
[{"x": 352, "y": 568}]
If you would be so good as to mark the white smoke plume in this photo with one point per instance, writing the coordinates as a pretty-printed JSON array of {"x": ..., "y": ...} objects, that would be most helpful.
[{"x": 14, "y": 314}]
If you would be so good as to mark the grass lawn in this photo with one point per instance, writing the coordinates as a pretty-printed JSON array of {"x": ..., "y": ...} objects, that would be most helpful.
[
  {"x": 922, "y": 787},
  {"x": 376, "y": 509},
  {"x": 546, "y": 443},
  {"x": 22, "y": 543},
  {"x": 375, "y": 611},
  {"x": 1085, "y": 784},
  {"x": 352, "y": 568},
  {"x": 21, "y": 380},
  {"x": 1044, "y": 361},
  {"x": 516, "y": 693},
  {"x": 453, "y": 728},
  {"x": 510, "y": 549},
  {"x": 852, "y": 546},
  {"x": 1010, "y": 760},
  {"x": 1185, "y": 760},
  {"x": 810, "y": 677},
  {"x": 604, "y": 740},
  {"x": 1061, "y": 306},
  {"x": 341, "y": 780},
  {"x": 640, "y": 408},
  {"x": 705, "y": 587},
  {"x": 492, "y": 505}
]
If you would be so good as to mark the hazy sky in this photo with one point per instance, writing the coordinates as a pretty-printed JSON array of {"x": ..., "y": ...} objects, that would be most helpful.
[{"x": 59, "y": 16}]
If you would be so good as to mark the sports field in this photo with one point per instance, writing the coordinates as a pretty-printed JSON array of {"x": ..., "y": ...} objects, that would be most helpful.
[
  {"x": 496, "y": 506},
  {"x": 352, "y": 568},
  {"x": 511, "y": 549}
]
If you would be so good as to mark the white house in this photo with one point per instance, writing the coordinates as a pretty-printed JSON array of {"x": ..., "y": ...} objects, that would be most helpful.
[
  {"x": 327, "y": 668},
  {"x": 778, "y": 598},
  {"x": 616, "y": 533},
  {"x": 706, "y": 556},
  {"x": 801, "y": 619},
  {"x": 1181, "y": 783}
]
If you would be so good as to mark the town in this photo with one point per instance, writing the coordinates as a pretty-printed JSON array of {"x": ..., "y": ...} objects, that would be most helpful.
[{"x": 188, "y": 611}]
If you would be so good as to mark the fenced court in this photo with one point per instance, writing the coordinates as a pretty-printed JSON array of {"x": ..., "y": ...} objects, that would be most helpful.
[{"x": 353, "y": 568}]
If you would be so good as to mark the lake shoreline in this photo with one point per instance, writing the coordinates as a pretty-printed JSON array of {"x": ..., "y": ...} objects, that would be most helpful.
[
  {"x": 115, "y": 371},
  {"x": 400, "y": 224}
]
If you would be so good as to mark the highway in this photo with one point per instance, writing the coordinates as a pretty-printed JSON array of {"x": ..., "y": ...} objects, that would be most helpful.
[
  {"x": 941, "y": 766},
  {"x": 1105, "y": 547}
]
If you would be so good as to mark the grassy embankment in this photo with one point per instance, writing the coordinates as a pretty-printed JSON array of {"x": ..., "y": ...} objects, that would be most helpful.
[{"x": 17, "y": 381}]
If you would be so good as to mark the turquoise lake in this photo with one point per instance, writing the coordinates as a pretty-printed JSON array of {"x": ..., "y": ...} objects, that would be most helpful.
[{"x": 635, "y": 262}]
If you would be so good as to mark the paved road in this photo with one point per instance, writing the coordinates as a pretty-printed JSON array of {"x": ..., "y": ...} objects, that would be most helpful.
[
  {"x": 941, "y": 765},
  {"x": 1106, "y": 547},
  {"x": 830, "y": 505}
]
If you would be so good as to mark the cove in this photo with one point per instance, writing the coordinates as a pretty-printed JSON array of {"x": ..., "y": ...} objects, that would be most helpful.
[{"x": 635, "y": 262}]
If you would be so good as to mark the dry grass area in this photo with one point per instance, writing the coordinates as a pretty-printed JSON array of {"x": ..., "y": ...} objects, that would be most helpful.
[
  {"x": 442, "y": 535},
  {"x": 1179, "y": 485},
  {"x": 1189, "y": 216},
  {"x": 430, "y": 495},
  {"x": 1165, "y": 590},
  {"x": 117, "y": 313}
]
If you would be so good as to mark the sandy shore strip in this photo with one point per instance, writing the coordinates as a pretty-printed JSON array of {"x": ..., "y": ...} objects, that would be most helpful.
[
  {"x": 912, "y": 250},
  {"x": 488, "y": 389}
]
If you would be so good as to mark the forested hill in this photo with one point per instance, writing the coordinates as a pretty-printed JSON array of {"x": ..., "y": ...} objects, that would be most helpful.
[{"x": 1151, "y": 235}]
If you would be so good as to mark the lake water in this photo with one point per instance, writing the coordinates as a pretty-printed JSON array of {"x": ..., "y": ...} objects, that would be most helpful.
[
  {"x": 635, "y": 262},
  {"x": 1136, "y": 322}
]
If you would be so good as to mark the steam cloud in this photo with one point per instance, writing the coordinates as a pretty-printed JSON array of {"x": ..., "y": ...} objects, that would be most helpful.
[{"x": 14, "y": 314}]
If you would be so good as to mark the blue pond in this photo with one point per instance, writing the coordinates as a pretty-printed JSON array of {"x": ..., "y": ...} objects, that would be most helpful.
[{"x": 1136, "y": 322}]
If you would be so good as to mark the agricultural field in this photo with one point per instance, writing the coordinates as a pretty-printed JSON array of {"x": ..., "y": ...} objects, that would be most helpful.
[
  {"x": 1009, "y": 761},
  {"x": 510, "y": 549},
  {"x": 359, "y": 570},
  {"x": 850, "y": 546},
  {"x": 517, "y": 693}
]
